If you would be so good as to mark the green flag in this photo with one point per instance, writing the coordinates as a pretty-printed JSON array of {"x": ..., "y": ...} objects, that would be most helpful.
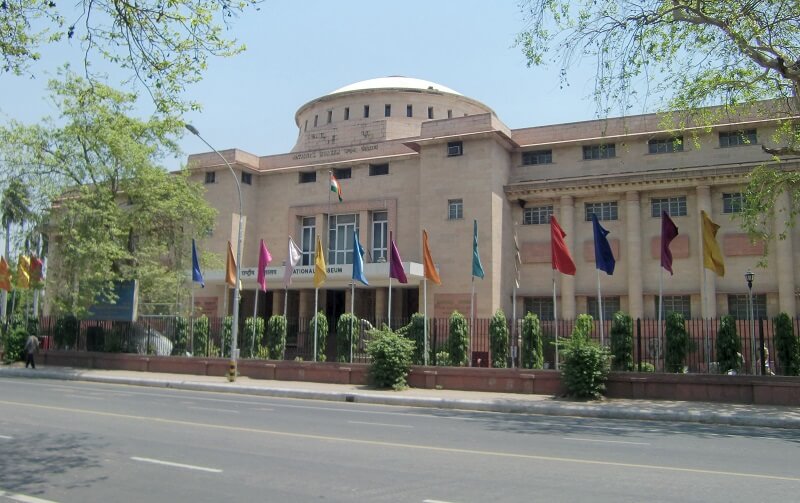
[{"x": 477, "y": 268}]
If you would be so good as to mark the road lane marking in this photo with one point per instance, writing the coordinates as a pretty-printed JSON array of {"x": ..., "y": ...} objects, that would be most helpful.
[
  {"x": 6, "y": 437},
  {"x": 176, "y": 465},
  {"x": 215, "y": 410},
  {"x": 382, "y": 424},
  {"x": 23, "y": 498},
  {"x": 436, "y": 501},
  {"x": 605, "y": 441},
  {"x": 357, "y": 441},
  {"x": 266, "y": 409}
]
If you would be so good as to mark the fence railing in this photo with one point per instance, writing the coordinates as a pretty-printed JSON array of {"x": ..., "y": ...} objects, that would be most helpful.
[{"x": 168, "y": 335}]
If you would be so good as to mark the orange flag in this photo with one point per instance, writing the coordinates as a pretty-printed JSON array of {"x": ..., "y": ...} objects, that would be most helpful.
[
  {"x": 230, "y": 268},
  {"x": 427, "y": 260},
  {"x": 5, "y": 275}
]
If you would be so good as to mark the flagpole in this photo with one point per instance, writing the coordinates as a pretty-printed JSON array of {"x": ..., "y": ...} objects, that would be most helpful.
[
  {"x": 224, "y": 315},
  {"x": 316, "y": 319},
  {"x": 353, "y": 315},
  {"x": 471, "y": 318},
  {"x": 600, "y": 307},
  {"x": 660, "y": 306},
  {"x": 425, "y": 316},
  {"x": 255, "y": 312},
  {"x": 390, "y": 296},
  {"x": 514, "y": 321},
  {"x": 555, "y": 315},
  {"x": 706, "y": 318},
  {"x": 191, "y": 320}
]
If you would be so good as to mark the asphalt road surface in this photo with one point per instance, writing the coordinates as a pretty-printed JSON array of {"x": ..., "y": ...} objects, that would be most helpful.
[{"x": 64, "y": 441}]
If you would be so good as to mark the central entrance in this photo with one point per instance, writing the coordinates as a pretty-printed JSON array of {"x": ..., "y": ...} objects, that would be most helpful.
[{"x": 334, "y": 308}]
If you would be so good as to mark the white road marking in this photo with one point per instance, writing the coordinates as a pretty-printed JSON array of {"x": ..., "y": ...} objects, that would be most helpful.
[
  {"x": 605, "y": 441},
  {"x": 6, "y": 437},
  {"x": 265, "y": 409},
  {"x": 83, "y": 397},
  {"x": 176, "y": 465},
  {"x": 382, "y": 424},
  {"x": 436, "y": 501},
  {"x": 22, "y": 498},
  {"x": 215, "y": 410}
]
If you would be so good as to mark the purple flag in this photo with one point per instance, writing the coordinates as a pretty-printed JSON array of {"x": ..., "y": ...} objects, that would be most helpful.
[
  {"x": 396, "y": 270},
  {"x": 668, "y": 232},
  {"x": 264, "y": 258}
]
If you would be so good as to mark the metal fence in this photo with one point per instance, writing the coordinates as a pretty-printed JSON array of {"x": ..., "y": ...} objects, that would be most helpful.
[{"x": 168, "y": 335}]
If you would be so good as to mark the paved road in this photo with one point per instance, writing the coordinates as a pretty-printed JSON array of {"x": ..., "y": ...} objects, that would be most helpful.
[{"x": 86, "y": 442}]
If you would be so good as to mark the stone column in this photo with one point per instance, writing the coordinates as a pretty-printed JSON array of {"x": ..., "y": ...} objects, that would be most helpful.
[
  {"x": 277, "y": 302},
  {"x": 633, "y": 237},
  {"x": 567, "y": 221},
  {"x": 708, "y": 285},
  {"x": 381, "y": 305},
  {"x": 784, "y": 258},
  {"x": 306, "y": 307}
]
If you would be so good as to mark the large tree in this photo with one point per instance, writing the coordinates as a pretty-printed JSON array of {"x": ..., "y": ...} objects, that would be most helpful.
[
  {"x": 686, "y": 55},
  {"x": 116, "y": 215},
  {"x": 163, "y": 45}
]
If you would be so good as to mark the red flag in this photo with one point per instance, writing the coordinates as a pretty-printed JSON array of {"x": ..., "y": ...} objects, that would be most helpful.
[
  {"x": 37, "y": 276},
  {"x": 559, "y": 253},
  {"x": 264, "y": 258}
]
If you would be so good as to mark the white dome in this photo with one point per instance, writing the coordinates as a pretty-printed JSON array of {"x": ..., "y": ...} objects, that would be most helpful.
[{"x": 395, "y": 82}]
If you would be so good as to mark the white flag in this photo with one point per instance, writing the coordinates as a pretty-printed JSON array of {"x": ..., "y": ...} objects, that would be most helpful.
[{"x": 292, "y": 259}]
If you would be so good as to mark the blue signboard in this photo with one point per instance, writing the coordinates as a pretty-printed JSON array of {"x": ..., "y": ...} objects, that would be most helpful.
[{"x": 125, "y": 308}]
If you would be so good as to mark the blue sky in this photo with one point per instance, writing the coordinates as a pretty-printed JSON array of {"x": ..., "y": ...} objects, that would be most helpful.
[{"x": 298, "y": 51}]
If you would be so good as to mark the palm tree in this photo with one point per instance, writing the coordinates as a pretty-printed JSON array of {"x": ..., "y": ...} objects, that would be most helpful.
[{"x": 14, "y": 209}]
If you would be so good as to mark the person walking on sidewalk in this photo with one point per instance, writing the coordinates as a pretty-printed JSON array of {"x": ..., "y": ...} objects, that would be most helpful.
[{"x": 31, "y": 348}]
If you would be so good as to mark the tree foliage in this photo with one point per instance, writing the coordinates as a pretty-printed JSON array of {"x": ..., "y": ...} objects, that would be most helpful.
[
  {"x": 622, "y": 341},
  {"x": 532, "y": 354},
  {"x": 678, "y": 344},
  {"x": 458, "y": 340},
  {"x": 729, "y": 346},
  {"x": 498, "y": 334}
]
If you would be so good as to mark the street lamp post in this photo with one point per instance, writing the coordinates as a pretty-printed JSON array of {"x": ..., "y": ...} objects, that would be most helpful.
[
  {"x": 235, "y": 323},
  {"x": 748, "y": 276}
]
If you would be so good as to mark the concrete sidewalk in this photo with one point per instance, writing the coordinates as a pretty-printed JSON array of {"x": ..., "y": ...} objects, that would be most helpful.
[{"x": 698, "y": 412}]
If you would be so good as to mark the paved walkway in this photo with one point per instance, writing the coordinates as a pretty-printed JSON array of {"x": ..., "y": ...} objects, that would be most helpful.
[{"x": 700, "y": 412}]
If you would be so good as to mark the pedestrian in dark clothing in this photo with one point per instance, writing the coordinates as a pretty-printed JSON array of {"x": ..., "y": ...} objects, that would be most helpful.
[{"x": 31, "y": 348}]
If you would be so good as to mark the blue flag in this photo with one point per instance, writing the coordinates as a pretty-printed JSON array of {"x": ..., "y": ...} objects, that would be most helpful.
[
  {"x": 197, "y": 276},
  {"x": 603, "y": 257},
  {"x": 358, "y": 261},
  {"x": 477, "y": 268}
]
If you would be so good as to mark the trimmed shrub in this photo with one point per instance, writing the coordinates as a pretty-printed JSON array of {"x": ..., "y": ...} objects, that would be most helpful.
[
  {"x": 15, "y": 338},
  {"x": 458, "y": 341},
  {"x": 585, "y": 364},
  {"x": 787, "y": 346},
  {"x": 678, "y": 344},
  {"x": 729, "y": 346},
  {"x": 322, "y": 333},
  {"x": 622, "y": 342},
  {"x": 532, "y": 355},
  {"x": 181, "y": 337},
  {"x": 442, "y": 359},
  {"x": 276, "y": 337},
  {"x": 648, "y": 367},
  {"x": 66, "y": 332},
  {"x": 200, "y": 341},
  {"x": 498, "y": 339},
  {"x": 251, "y": 343},
  {"x": 415, "y": 332},
  {"x": 225, "y": 337},
  {"x": 390, "y": 355},
  {"x": 346, "y": 329}
]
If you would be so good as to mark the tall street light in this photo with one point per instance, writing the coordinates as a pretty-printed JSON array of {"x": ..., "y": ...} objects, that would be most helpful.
[
  {"x": 748, "y": 276},
  {"x": 235, "y": 324}
]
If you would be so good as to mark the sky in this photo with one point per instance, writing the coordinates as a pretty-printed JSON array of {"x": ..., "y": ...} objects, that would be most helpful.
[{"x": 298, "y": 51}]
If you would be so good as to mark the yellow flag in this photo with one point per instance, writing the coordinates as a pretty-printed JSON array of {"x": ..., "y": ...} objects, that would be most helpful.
[
  {"x": 5, "y": 275},
  {"x": 427, "y": 261},
  {"x": 712, "y": 256},
  {"x": 23, "y": 272},
  {"x": 320, "y": 270},
  {"x": 230, "y": 268}
]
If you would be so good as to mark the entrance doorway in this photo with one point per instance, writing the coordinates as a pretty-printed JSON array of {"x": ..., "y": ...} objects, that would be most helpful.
[{"x": 334, "y": 308}]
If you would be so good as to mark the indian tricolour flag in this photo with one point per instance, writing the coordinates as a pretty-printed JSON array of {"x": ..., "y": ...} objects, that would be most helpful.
[{"x": 336, "y": 188}]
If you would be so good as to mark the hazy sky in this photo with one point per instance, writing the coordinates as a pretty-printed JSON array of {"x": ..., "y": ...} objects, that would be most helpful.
[{"x": 298, "y": 51}]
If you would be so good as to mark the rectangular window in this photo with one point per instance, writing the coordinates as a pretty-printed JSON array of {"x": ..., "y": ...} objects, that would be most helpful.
[
  {"x": 732, "y": 203},
  {"x": 387, "y": 110},
  {"x": 330, "y": 116},
  {"x": 604, "y": 211},
  {"x": 247, "y": 178},
  {"x": 211, "y": 176},
  {"x": 537, "y": 157},
  {"x": 610, "y": 306},
  {"x": 540, "y": 306},
  {"x": 307, "y": 177},
  {"x": 378, "y": 169},
  {"x": 347, "y": 113},
  {"x": 430, "y": 112},
  {"x": 341, "y": 229},
  {"x": 380, "y": 233},
  {"x": 665, "y": 145},
  {"x": 366, "y": 111},
  {"x": 307, "y": 241},
  {"x": 455, "y": 209},
  {"x": 676, "y": 304},
  {"x": 409, "y": 111},
  {"x": 449, "y": 114},
  {"x": 454, "y": 148},
  {"x": 738, "y": 308},
  {"x": 737, "y": 138},
  {"x": 342, "y": 173},
  {"x": 537, "y": 215},
  {"x": 591, "y": 152},
  {"x": 305, "y": 126},
  {"x": 674, "y": 206},
  {"x": 316, "y": 118}
]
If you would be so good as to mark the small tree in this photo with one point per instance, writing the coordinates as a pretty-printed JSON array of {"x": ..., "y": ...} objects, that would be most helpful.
[
  {"x": 321, "y": 322},
  {"x": 729, "y": 346},
  {"x": 276, "y": 337},
  {"x": 532, "y": 355},
  {"x": 346, "y": 330},
  {"x": 622, "y": 342},
  {"x": 390, "y": 355},
  {"x": 678, "y": 343},
  {"x": 586, "y": 364},
  {"x": 415, "y": 332},
  {"x": 787, "y": 345},
  {"x": 252, "y": 342},
  {"x": 201, "y": 343},
  {"x": 498, "y": 338},
  {"x": 181, "y": 344},
  {"x": 458, "y": 340}
]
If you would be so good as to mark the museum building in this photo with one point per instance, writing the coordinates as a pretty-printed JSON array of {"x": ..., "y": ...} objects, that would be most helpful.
[{"x": 412, "y": 155}]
